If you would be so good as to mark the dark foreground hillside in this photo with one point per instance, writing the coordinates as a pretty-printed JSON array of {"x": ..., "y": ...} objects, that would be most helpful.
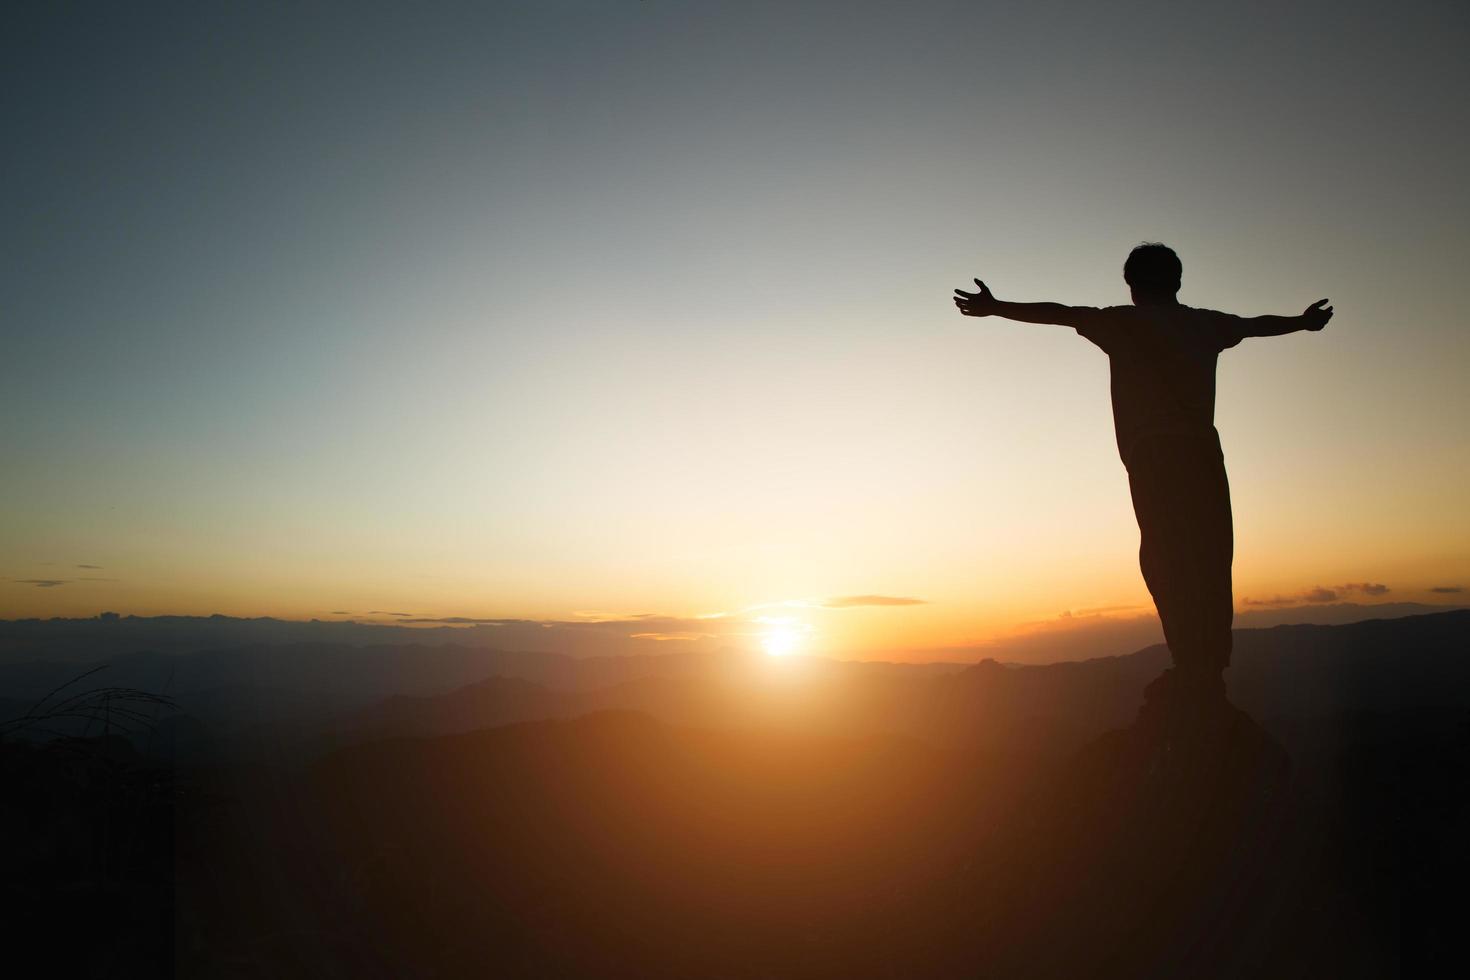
[
  {"x": 614, "y": 845},
  {"x": 1327, "y": 843}
]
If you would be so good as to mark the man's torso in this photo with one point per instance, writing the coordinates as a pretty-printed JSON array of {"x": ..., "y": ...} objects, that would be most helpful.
[{"x": 1163, "y": 368}]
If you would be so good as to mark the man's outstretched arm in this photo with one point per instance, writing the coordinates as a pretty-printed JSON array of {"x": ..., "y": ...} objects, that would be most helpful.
[
  {"x": 984, "y": 303},
  {"x": 1314, "y": 317}
]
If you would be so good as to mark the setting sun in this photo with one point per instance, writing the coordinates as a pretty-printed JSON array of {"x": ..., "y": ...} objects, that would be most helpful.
[{"x": 781, "y": 641}]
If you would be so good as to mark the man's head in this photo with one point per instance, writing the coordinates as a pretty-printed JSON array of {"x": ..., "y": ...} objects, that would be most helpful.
[{"x": 1153, "y": 272}]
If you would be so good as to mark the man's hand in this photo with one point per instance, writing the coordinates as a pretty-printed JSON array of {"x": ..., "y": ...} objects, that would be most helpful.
[
  {"x": 1315, "y": 317},
  {"x": 981, "y": 303}
]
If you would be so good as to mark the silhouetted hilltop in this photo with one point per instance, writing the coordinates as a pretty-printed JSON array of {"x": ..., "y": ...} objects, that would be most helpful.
[{"x": 1150, "y": 855}]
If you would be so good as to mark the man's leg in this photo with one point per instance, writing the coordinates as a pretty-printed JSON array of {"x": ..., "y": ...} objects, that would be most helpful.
[
  {"x": 1182, "y": 501},
  {"x": 1216, "y": 529}
]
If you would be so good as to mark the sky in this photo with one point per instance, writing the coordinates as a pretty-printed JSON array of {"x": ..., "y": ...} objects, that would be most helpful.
[{"x": 561, "y": 311}]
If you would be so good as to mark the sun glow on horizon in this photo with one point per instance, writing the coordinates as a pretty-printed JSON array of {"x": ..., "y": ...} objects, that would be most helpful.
[{"x": 783, "y": 638}]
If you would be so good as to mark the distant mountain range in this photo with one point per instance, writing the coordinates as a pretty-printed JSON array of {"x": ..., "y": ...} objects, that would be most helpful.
[
  {"x": 1282, "y": 673},
  {"x": 109, "y": 635},
  {"x": 322, "y": 694}
]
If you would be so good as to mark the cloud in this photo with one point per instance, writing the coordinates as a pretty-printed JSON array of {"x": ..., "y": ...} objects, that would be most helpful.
[
  {"x": 1088, "y": 612},
  {"x": 95, "y": 568},
  {"x": 615, "y": 629},
  {"x": 1318, "y": 594},
  {"x": 339, "y": 612},
  {"x": 647, "y": 623},
  {"x": 1448, "y": 589},
  {"x": 599, "y": 633},
  {"x": 1314, "y": 595},
  {"x": 54, "y": 583},
  {"x": 1367, "y": 588},
  {"x": 380, "y": 612},
  {"x": 463, "y": 621},
  {"x": 852, "y": 601}
]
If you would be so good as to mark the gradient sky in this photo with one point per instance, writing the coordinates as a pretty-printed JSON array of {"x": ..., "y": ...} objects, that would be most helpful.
[{"x": 643, "y": 307}]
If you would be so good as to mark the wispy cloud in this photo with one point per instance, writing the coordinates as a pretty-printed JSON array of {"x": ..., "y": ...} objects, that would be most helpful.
[
  {"x": 56, "y": 583},
  {"x": 589, "y": 631},
  {"x": 1319, "y": 594},
  {"x": 1367, "y": 588},
  {"x": 1448, "y": 589},
  {"x": 852, "y": 601},
  {"x": 639, "y": 626},
  {"x": 464, "y": 621},
  {"x": 95, "y": 568},
  {"x": 1092, "y": 612}
]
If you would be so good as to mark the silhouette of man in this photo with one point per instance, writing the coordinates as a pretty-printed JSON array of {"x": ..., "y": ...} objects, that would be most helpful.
[{"x": 1162, "y": 356}]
